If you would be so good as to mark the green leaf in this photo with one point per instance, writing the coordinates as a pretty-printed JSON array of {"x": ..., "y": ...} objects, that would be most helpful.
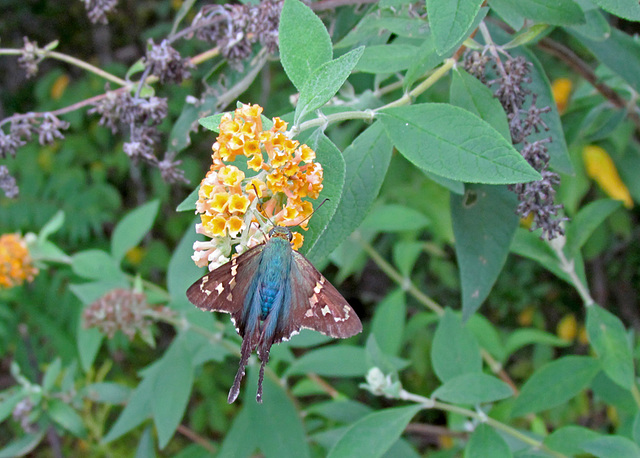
[
  {"x": 613, "y": 394},
  {"x": 596, "y": 28},
  {"x": 588, "y": 219},
  {"x": 405, "y": 255},
  {"x": 455, "y": 350},
  {"x": 333, "y": 360},
  {"x": 51, "y": 226},
  {"x": 132, "y": 228},
  {"x": 145, "y": 447},
  {"x": 171, "y": 390},
  {"x": 387, "y": 58},
  {"x": 51, "y": 375},
  {"x": 627, "y": 9},
  {"x": 569, "y": 439},
  {"x": 23, "y": 445},
  {"x": 325, "y": 82},
  {"x": 189, "y": 203},
  {"x": 388, "y": 321},
  {"x": 138, "y": 408},
  {"x": 275, "y": 427},
  {"x": 487, "y": 336},
  {"x": 529, "y": 244},
  {"x": 554, "y": 12},
  {"x": 366, "y": 163},
  {"x": 425, "y": 59},
  {"x": 486, "y": 442},
  {"x": 635, "y": 429},
  {"x": 469, "y": 93},
  {"x": 212, "y": 122},
  {"x": 333, "y": 167},
  {"x": 394, "y": 218},
  {"x": 523, "y": 337},
  {"x": 453, "y": 143},
  {"x": 608, "y": 446},
  {"x": 8, "y": 403},
  {"x": 107, "y": 392},
  {"x": 484, "y": 223},
  {"x": 374, "y": 434},
  {"x": 450, "y": 20},
  {"x": 89, "y": 342},
  {"x": 186, "y": 123},
  {"x": 607, "y": 336},
  {"x": 621, "y": 53},
  {"x": 473, "y": 388},
  {"x": 66, "y": 416},
  {"x": 555, "y": 383},
  {"x": 526, "y": 36},
  {"x": 304, "y": 42},
  {"x": 96, "y": 265}
]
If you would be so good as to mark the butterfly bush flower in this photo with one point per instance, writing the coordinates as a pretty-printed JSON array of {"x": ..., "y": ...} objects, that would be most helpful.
[
  {"x": 16, "y": 265},
  {"x": 238, "y": 208}
]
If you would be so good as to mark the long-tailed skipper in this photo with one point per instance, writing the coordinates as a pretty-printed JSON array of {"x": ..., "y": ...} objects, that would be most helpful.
[{"x": 271, "y": 291}]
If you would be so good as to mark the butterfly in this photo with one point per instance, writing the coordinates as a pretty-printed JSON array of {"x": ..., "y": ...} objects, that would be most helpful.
[{"x": 271, "y": 291}]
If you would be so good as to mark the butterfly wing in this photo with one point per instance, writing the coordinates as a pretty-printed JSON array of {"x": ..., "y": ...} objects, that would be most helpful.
[
  {"x": 316, "y": 304},
  {"x": 225, "y": 289}
]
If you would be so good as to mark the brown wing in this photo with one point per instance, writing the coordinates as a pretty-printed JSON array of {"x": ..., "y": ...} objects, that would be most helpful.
[
  {"x": 316, "y": 304},
  {"x": 224, "y": 289}
]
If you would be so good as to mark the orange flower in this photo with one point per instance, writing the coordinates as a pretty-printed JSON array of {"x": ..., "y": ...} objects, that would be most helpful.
[
  {"x": 237, "y": 210},
  {"x": 16, "y": 265}
]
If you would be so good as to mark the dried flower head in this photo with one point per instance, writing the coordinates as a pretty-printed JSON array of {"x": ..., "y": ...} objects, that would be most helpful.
[
  {"x": 50, "y": 129},
  {"x": 126, "y": 311},
  {"x": 537, "y": 198},
  {"x": 97, "y": 10},
  {"x": 235, "y": 28},
  {"x": 8, "y": 183},
  {"x": 30, "y": 57},
  {"x": 22, "y": 413},
  {"x": 236, "y": 209},
  {"x": 16, "y": 265},
  {"x": 165, "y": 62}
]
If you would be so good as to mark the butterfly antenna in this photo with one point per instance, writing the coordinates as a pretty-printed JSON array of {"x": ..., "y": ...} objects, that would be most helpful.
[{"x": 313, "y": 212}]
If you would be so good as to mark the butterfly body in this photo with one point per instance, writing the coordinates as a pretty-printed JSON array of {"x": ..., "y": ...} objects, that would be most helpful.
[{"x": 271, "y": 291}]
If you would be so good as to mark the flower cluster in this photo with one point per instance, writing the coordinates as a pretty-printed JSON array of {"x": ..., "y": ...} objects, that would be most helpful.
[
  {"x": 234, "y": 28},
  {"x": 123, "y": 310},
  {"x": 236, "y": 209},
  {"x": 16, "y": 265},
  {"x": 537, "y": 198}
]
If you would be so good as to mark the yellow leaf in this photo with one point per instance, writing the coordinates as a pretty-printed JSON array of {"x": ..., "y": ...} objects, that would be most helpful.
[
  {"x": 561, "y": 89},
  {"x": 601, "y": 168},
  {"x": 58, "y": 87},
  {"x": 567, "y": 328}
]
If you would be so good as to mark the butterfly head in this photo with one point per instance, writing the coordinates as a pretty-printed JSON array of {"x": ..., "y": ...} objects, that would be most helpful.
[{"x": 282, "y": 232}]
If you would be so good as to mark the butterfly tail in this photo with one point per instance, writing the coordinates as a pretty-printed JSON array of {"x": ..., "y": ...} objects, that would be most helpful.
[
  {"x": 261, "y": 379},
  {"x": 248, "y": 344}
]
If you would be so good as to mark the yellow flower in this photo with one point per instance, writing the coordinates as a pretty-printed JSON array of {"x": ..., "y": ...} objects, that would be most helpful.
[
  {"x": 238, "y": 204},
  {"x": 16, "y": 265},
  {"x": 602, "y": 169}
]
